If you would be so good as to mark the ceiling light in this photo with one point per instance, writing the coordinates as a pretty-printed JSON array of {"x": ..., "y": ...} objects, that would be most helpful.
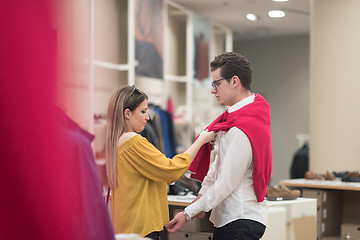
[
  {"x": 276, "y": 14},
  {"x": 251, "y": 17},
  {"x": 280, "y": 0}
]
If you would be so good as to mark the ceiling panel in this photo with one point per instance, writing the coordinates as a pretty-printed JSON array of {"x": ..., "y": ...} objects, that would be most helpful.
[{"x": 232, "y": 13}]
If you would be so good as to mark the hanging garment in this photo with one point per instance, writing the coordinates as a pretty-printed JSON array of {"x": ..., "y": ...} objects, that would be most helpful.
[
  {"x": 300, "y": 163},
  {"x": 150, "y": 134},
  {"x": 91, "y": 218}
]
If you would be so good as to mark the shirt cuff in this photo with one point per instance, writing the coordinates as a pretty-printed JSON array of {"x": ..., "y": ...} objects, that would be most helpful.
[{"x": 193, "y": 209}]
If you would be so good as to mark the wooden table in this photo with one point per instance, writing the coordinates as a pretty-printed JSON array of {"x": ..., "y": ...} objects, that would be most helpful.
[{"x": 321, "y": 184}]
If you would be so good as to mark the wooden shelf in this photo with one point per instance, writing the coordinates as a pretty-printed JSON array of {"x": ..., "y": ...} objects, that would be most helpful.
[{"x": 321, "y": 184}]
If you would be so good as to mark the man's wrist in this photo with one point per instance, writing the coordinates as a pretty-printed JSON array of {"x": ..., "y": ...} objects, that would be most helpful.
[{"x": 187, "y": 217}]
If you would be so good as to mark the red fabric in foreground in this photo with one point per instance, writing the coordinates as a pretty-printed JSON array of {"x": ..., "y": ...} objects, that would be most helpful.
[{"x": 38, "y": 191}]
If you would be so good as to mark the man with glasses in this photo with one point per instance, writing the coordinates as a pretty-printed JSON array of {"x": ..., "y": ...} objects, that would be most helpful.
[{"x": 236, "y": 184}]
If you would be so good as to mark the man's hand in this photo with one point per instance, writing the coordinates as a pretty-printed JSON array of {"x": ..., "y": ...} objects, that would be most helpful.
[{"x": 176, "y": 223}]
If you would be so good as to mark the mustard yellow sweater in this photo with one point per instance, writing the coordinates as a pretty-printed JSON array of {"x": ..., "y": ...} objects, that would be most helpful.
[{"x": 139, "y": 203}]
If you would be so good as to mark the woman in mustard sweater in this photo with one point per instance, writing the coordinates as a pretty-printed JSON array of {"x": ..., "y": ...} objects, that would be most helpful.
[{"x": 138, "y": 173}]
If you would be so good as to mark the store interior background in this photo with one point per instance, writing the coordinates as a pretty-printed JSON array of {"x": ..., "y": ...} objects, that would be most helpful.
[{"x": 310, "y": 79}]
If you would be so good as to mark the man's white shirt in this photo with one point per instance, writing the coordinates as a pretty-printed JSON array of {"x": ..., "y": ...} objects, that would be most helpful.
[{"x": 228, "y": 189}]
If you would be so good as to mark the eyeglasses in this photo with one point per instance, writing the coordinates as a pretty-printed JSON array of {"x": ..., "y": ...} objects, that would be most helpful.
[
  {"x": 214, "y": 84},
  {"x": 135, "y": 89}
]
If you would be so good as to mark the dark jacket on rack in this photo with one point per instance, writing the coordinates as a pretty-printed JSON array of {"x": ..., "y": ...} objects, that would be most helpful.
[{"x": 300, "y": 164}]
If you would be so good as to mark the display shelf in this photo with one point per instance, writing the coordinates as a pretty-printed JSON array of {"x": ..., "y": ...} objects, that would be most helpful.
[
  {"x": 99, "y": 37},
  {"x": 176, "y": 40},
  {"x": 322, "y": 184},
  {"x": 338, "y": 203}
]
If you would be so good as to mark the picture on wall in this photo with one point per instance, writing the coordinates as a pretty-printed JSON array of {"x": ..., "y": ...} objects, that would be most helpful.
[
  {"x": 149, "y": 41},
  {"x": 202, "y": 33}
]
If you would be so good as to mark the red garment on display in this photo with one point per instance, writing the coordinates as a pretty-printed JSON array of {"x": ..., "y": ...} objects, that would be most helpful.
[
  {"x": 49, "y": 191},
  {"x": 254, "y": 120}
]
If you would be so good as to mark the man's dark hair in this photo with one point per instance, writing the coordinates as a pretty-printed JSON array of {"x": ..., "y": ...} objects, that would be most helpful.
[{"x": 231, "y": 64}]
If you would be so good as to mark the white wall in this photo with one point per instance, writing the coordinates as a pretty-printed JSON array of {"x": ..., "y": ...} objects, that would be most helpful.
[
  {"x": 335, "y": 111},
  {"x": 72, "y": 31},
  {"x": 281, "y": 74}
]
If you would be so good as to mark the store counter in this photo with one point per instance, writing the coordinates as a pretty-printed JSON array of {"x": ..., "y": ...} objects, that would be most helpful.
[
  {"x": 321, "y": 184},
  {"x": 288, "y": 219},
  {"x": 337, "y": 203}
]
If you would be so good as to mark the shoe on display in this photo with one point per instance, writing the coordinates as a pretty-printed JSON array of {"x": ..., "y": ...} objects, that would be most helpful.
[
  {"x": 314, "y": 176},
  {"x": 280, "y": 192},
  {"x": 351, "y": 177},
  {"x": 330, "y": 176}
]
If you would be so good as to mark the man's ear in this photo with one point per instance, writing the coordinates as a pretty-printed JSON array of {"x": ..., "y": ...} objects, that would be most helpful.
[
  {"x": 235, "y": 81},
  {"x": 127, "y": 113}
]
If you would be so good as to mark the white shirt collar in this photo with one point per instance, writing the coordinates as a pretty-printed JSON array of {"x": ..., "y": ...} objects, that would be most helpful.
[{"x": 241, "y": 103}]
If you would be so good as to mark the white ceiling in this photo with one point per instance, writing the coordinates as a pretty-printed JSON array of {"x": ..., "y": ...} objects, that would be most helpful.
[{"x": 232, "y": 13}]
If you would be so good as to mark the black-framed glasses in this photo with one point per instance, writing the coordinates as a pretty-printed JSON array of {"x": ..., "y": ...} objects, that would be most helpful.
[{"x": 215, "y": 83}]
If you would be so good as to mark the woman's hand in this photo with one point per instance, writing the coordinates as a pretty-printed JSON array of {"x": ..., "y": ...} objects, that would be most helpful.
[{"x": 206, "y": 136}]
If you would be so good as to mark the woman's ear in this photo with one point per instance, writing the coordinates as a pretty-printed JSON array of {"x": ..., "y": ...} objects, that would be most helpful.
[{"x": 127, "y": 113}]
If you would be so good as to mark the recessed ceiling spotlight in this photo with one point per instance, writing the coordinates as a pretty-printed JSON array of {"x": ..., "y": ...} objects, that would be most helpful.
[
  {"x": 251, "y": 17},
  {"x": 276, "y": 14},
  {"x": 280, "y": 0}
]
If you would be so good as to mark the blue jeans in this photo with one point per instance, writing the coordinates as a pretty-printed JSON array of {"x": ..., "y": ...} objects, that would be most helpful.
[{"x": 241, "y": 229}]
